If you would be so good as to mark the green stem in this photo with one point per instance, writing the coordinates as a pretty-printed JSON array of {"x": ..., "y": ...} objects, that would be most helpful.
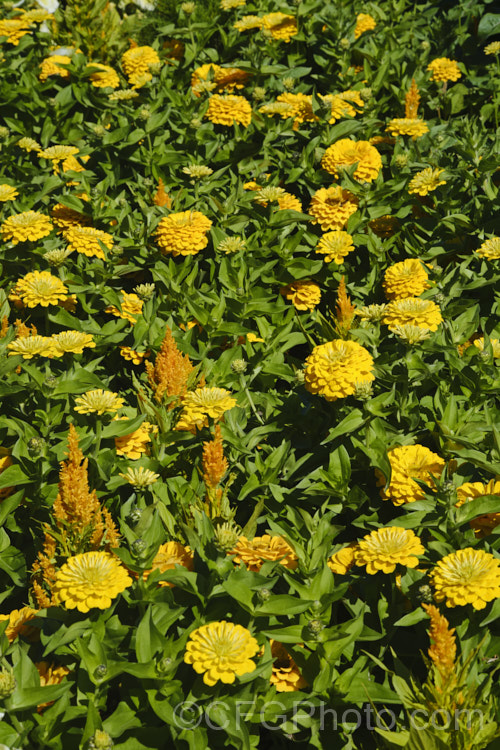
[{"x": 250, "y": 400}]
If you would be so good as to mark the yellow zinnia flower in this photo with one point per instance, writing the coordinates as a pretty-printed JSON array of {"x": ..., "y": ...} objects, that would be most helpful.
[
  {"x": 280, "y": 26},
  {"x": 468, "y": 576},
  {"x": 331, "y": 207},
  {"x": 92, "y": 579},
  {"x": 30, "y": 346},
  {"x": 98, "y": 402},
  {"x": 104, "y": 77},
  {"x": 482, "y": 525},
  {"x": 414, "y": 311},
  {"x": 5, "y": 462},
  {"x": 8, "y": 193},
  {"x": 411, "y": 126},
  {"x": 303, "y": 294},
  {"x": 136, "y": 443},
  {"x": 39, "y": 288},
  {"x": 28, "y": 225},
  {"x": 221, "y": 651},
  {"x": 130, "y": 307},
  {"x": 228, "y": 109},
  {"x": 51, "y": 66},
  {"x": 133, "y": 356},
  {"x": 345, "y": 153},
  {"x": 343, "y": 560},
  {"x": 286, "y": 676},
  {"x": 18, "y": 620},
  {"x": 248, "y": 23},
  {"x": 444, "y": 69},
  {"x": 88, "y": 241},
  {"x": 335, "y": 246},
  {"x": 334, "y": 369},
  {"x": 426, "y": 181},
  {"x": 383, "y": 549},
  {"x": 210, "y": 402},
  {"x": 136, "y": 64},
  {"x": 140, "y": 477},
  {"x": 183, "y": 233},
  {"x": 14, "y": 29},
  {"x": 409, "y": 462},
  {"x": 342, "y": 104},
  {"x": 168, "y": 556},
  {"x": 405, "y": 279},
  {"x": 364, "y": 22},
  {"x": 73, "y": 342},
  {"x": 490, "y": 249},
  {"x": 255, "y": 552}
]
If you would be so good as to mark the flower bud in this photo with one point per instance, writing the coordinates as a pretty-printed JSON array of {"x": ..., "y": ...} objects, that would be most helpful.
[
  {"x": 263, "y": 595},
  {"x": 315, "y": 627},
  {"x": 138, "y": 547},
  {"x": 100, "y": 671},
  {"x": 100, "y": 741},
  {"x": 7, "y": 683},
  {"x": 424, "y": 594},
  {"x": 36, "y": 446},
  {"x": 239, "y": 366}
]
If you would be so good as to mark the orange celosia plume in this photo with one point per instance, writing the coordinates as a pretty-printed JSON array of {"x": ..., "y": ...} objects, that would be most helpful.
[
  {"x": 170, "y": 373},
  {"x": 412, "y": 100},
  {"x": 79, "y": 524},
  {"x": 344, "y": 309},
  {"x": 161, "y": 197},
  {"x": 443, "y": 649},
  {"x": 214, "y": 462}
]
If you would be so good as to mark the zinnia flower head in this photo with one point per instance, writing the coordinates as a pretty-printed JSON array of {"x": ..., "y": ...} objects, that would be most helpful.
[
  {"x": 280, "y": 26},
  {"x": 286, "y": 676},
  {"x": 298, "y": 106},
  {"x": 136, "y": 443},
  {"x": 371, "y": 312},
  {"x": 247, "y": 23},
  {"x": 136, "y": 64},
  {"x": 18, "y": 620},
  {"x": 29, "y": 225},
  {"x": 29, "y": 144},
  {"x": 131, "y": 355},
  {"x": 40, "y": 288},
  {"x": 345, "y": 153},
  {"x": 14, "y": 29},
  {"x": 73, "y": 342},
  {"x": 482, "y": 525},
  {"x": 493, "y": 48},
  {"x": 418, "y": 312},
  {"x": 64, "y": 217},
  {"x": 303, "y": 294},
  {"x": 31, "y": 346},
  {"x": 405, "y": 279},
  {"x": 444, "y": 69},
  {"x": 335, "y": 246},
  {"x": 98, "y": 402},
  {"x": 210, "y": 402},
  {"x": 130, "y": 307},
  {"x": 364, "y": 22},
  {"x": 411, "y": 126},
  {"x": 88, "y": 240},
  {"x": 221, "y": 651},
  {"x": 426, "y": 181},
  {"x": 468, "y": 576},
  {"x": 343, "y": 104},
  {"x": 183, "y": 233},
  {"x": 5, "y": 462},
  {"x": 104, "y": 77},
  {"x": 168, "y": 556},
  {"x": 411, "y": 334},
  {"x": 255, "y": 552},
  {"x": 333, "y": 369},
  {"x": 55, "y": 154},
  {"x": 342, "y": 561},
  {"x": 383, "y": 549},
  {"x": 331, "y": 207},
  {"x": 490, "y": 249},
  {"x": 409, "y": 462},
  {"x": 92, "y": 579},
  {"x": 198, "y": 171},
  {"x": 228, "y": 109},
  {"x": 51, "y": 66},
  {"x": 140, "y": 477},
  {"x": 7, "y": 193},
  {"x": 231, "y": 245},
  {"x": 495, "y": 346}
]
